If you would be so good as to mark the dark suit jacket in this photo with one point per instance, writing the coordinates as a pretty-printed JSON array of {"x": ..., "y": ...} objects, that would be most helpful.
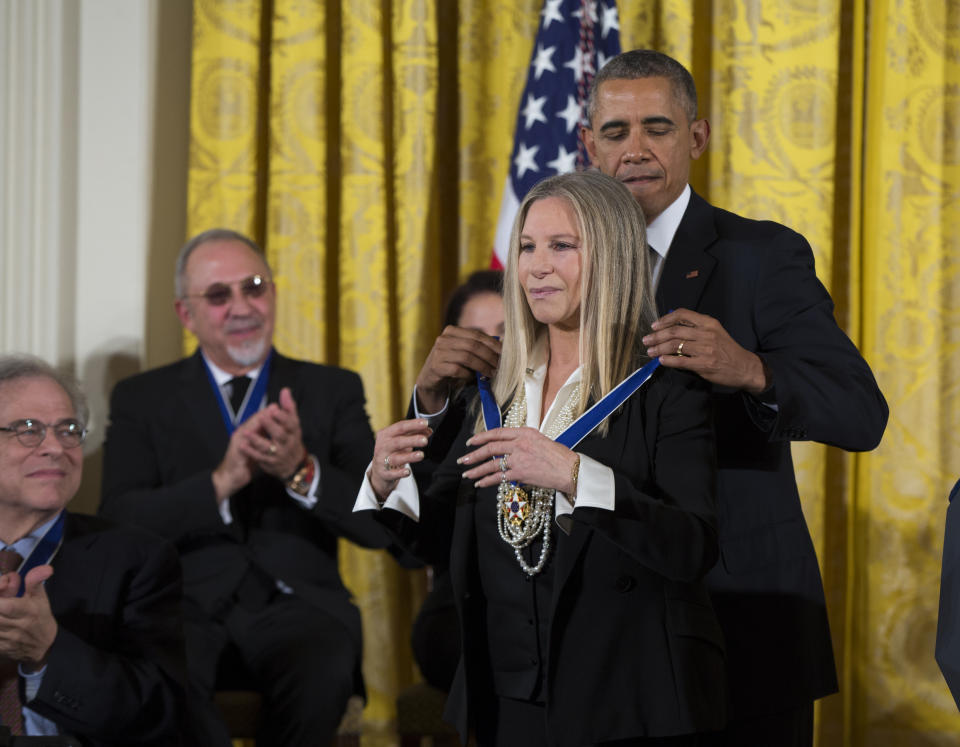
[
  {"x": 165, "y": 438},
  {"x": 115, "y": 671},
  {"x": 948, "y": 618},
  {"x": 634, "y": 649},
  {"x": 758, "y": 280}
]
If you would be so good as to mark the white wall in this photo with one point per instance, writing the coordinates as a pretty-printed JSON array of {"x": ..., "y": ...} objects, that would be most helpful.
[
  {"x": 90, "y": 205},
  {"x": 116, "y": 58}
]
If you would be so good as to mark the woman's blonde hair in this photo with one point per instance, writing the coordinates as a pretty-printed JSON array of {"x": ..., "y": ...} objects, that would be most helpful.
[{"x": 617, "y": 304}]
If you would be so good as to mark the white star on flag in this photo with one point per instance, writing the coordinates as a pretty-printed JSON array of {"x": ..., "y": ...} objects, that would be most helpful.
[
  {"x": 533, "y": 111},
  {"x": 551, "y": 12},
  {"x": 565, "y": 162},
  {"x": 526, "y": 160},
  {"x": 610, "y": 21},
  {"x": 571, "y": 115},
  {"x": 543, "y": 61}
]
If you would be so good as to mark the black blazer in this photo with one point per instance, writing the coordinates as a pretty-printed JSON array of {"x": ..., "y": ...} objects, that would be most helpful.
[
  {"x": 635, "y": 649},
  {"x": 948, "y": 616},
  {"x": 116, "y": 669},
  {"x": 165, "y": 438},
  {"x": 758, "y": 280}
]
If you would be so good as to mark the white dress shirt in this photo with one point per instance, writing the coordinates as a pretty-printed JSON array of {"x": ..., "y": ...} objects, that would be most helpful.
[{"x": 662, "y": 229}]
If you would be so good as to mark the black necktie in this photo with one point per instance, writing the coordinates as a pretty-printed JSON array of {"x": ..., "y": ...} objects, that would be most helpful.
[{"x": 238, "y": 390}]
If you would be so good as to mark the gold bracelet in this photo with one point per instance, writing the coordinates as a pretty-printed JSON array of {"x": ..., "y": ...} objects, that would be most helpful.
[{"x": 574, "y": 475}]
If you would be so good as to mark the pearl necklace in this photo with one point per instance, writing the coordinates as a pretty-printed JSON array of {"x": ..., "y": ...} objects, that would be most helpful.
[{"x": 523, "y": 516}]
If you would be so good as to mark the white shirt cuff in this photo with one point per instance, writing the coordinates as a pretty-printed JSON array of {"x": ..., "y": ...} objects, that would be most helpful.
[
  {"x": 31, "y": 682},
  {"x": 596, "y": 488},
  {"x": 224, "y": 508},
  {"x": 434, "y": 418},
  {"x": 405, "y": 498}
]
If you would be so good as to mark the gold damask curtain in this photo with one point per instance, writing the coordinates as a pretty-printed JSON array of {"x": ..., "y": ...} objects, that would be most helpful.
[{"x": 365, "y": 144}]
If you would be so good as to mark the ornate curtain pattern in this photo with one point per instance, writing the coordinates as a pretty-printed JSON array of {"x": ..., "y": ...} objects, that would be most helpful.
[{"x": 365, "y": 145}]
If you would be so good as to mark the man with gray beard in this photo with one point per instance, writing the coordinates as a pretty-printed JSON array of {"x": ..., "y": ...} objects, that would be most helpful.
[{"x": 249, "y": 463}]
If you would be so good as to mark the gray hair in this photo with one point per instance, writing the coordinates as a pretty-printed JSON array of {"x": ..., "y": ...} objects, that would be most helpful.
[
  {"x": 646, "y": 63},
  {"x": 212, "y": 234},
  {"x": 19, "y": 366}
]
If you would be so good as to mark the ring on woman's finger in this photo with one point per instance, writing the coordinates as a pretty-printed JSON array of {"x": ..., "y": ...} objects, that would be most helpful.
[
  {"x": 680, "y": 348},
  {"x": 386, "y": 462},
  {"x": 503, "y": 463},
  {"x": 273, "y": 449}
]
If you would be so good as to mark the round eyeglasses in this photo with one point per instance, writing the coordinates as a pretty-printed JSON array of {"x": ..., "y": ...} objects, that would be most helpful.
[
  {"x": 29, "y": 432},
  {"x": 218, "y": 294}
]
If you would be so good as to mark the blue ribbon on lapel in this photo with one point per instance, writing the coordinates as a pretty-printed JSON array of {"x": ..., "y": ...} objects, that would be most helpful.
[
  {"x": 44, "y": 550},
  {"x": 585, "y": 424},
  {"x": 491, "y": 412},
  {"x": 253, "y": 399}
]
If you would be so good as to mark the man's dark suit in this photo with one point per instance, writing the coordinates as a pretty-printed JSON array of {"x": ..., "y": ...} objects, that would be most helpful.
[
  {"x": 758, "y": 280},
  {"x": 634, "y": 646},
  {"x": 165, "y": 438},
  {"x": 115, "y": 672}
]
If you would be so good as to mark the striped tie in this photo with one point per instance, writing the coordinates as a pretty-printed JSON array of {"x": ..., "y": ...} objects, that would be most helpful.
[
  {"x": 11, "y": 707},
  {"x": 654, "y": 267}
]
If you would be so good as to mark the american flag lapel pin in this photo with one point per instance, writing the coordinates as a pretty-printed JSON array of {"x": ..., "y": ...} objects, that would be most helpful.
[{"x": 692, "y": 274}]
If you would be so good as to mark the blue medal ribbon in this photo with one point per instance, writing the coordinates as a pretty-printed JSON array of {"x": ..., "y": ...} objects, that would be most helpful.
[
  {"x": 581, "y": 427},
  {"x": 251, "y": 403},
  {"x": 586, "y": 423},
  {"x": 491, "y": 413},
  {"x": 43, "y": 551}
]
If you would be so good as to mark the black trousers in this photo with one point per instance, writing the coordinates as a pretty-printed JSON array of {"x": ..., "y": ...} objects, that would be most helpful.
[
  {"x": 790, "y": 728},
  {"x": 519, "y": 723},
  {"x": 300, "y": 659}
]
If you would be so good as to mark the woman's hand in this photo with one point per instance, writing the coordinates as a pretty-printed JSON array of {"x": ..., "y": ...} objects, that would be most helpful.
[
  {"x": 397, "y": 447},
  {"x": 527, "y": 455}
]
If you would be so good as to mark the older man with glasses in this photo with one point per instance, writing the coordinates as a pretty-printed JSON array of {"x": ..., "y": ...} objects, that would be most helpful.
[
  {"x": 249, "y": 462},
  {"x": 91, "y": 639}
]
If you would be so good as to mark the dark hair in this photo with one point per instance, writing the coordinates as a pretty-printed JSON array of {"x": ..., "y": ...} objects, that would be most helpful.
[
  {"x": 481, "y": 281},
  {"x": 212, "y": 234},
  {"x": 19, "y": 366},
  {"x": 646, "y": 63}
]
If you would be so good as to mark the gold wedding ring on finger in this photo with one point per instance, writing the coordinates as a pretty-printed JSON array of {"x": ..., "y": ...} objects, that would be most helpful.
[{"x": 680, "y": 348}]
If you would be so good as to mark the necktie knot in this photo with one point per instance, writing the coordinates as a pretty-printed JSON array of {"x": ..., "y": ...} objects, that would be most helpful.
[
  {"x": 238, "y": 390},
  {"x": 10, "y": 560}
]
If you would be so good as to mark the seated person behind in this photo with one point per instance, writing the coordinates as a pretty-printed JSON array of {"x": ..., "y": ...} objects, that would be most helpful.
[
  {"x": 477, "y": 306},
  {"x": 577, "y": 575},
  {"x": 249, "y": 462},
  {"x": 94, "y": 645}
]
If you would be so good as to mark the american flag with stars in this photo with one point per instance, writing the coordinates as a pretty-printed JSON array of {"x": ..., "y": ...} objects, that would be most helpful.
[{"x": 574, "y": 40}]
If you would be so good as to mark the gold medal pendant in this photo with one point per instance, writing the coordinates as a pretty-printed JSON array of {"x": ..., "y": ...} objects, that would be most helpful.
[{"x": 515, "y": 504}]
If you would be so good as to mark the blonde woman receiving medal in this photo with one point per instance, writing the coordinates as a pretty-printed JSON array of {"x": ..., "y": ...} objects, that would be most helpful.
[{"x": 576, "y": 572}]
